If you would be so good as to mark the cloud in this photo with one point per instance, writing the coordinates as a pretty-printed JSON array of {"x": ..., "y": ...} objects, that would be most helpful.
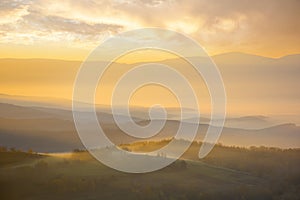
[
  {"x": 11, "y": 11},
  {"x": 264, "y": 27},
  {"x": 61, "y": 24},
  {"x": 30, "y": 25}
]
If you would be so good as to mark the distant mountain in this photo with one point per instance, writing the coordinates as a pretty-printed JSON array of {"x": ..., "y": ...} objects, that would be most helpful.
[
  {"x": 19, "y": 112},
  {"x": 250, "y": 122},
  {"x": 247, "y": 122},
  {"x": 138, "y": 114},
  {"x": 29, "y": 101},
  {"x": 254, "y": 84},
  {"x": 53, "y": 130}
]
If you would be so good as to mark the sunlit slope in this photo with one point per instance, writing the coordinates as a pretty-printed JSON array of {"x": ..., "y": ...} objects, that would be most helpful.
[
  {"x": 226, "y": 173},
  {"x": 78, "y": 178}
]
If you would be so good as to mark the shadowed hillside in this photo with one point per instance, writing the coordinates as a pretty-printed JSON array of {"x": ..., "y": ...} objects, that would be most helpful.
[{"x": 226, "y": 173}]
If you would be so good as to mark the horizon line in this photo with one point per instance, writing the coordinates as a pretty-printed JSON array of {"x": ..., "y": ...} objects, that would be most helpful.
[{"x": 214, "y": 55}]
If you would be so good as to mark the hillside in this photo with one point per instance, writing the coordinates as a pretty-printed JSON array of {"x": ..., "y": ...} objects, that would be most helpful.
[
  {"x": 53, "y": 130},
  {"x": 227, "y": 173}
]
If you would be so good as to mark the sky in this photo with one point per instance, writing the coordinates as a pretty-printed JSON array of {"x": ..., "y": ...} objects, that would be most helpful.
[{"x": 71, "y": 29}]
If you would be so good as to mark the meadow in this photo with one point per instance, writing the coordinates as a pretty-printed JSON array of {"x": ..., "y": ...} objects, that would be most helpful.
[{"x": 226, "y": 173}]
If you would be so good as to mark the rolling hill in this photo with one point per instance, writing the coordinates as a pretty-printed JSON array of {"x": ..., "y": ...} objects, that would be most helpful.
[{"x": 53, "y": 130}]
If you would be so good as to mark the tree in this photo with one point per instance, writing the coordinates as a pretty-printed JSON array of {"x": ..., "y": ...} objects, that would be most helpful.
[
  {"x": 3, "y": 149},
  {"x": 30, "y": 151}
]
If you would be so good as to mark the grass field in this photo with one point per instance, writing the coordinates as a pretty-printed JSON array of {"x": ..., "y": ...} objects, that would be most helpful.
[{"x": 79, "y": 176}]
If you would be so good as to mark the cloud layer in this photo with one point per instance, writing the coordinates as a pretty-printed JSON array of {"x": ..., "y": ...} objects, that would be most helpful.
[{"x": 267, "y": 27}]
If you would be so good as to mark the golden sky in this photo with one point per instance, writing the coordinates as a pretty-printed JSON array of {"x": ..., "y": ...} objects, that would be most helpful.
[{"x": 71, "y": 29}]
